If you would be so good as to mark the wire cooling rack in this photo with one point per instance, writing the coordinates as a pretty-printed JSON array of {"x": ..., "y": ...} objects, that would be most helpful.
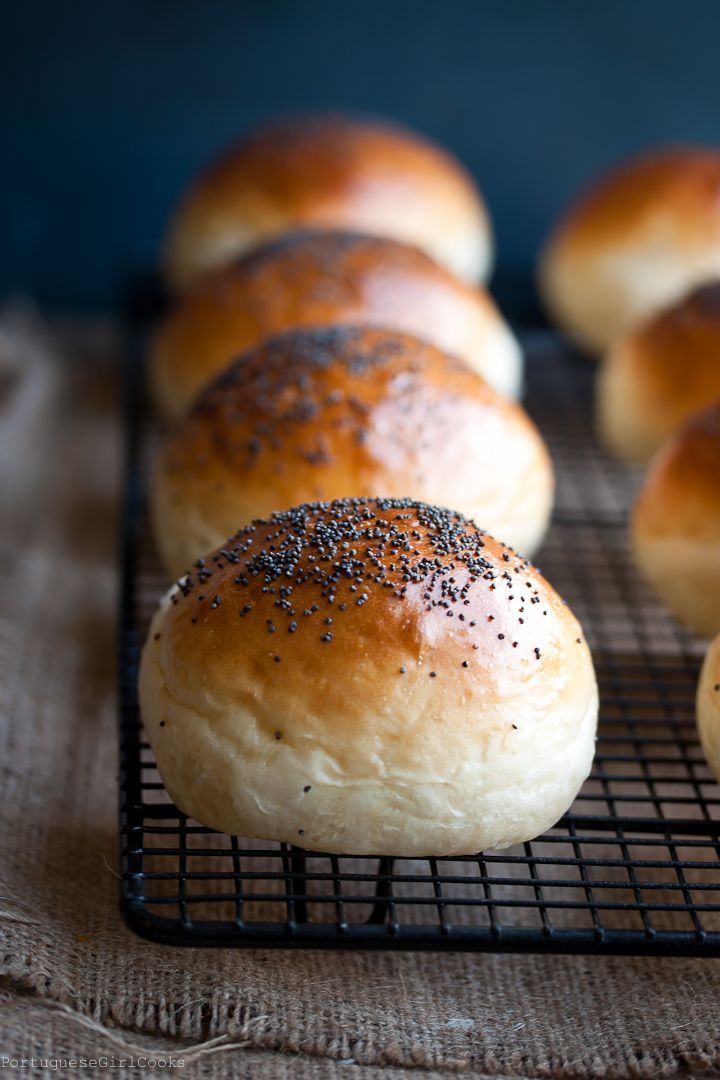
[{"x": 634, "y": 867}]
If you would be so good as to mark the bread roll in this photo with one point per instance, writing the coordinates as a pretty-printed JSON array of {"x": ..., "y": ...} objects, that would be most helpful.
[
  {"x": 708, "y": 707},
  {"x": 637, "y": 241},
  {"x": 324, "y": 413},
  {"x": 313, "y": 279},
  {"x": 656, "y": 376},
  {"x": 373, "y": 677},
  {"x": 334, "y": 172},
  {"x": 676, "y": 523}
]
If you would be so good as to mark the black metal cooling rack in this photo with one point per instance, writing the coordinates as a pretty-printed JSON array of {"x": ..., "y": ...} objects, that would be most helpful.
[{"x": 634, "y": 867}]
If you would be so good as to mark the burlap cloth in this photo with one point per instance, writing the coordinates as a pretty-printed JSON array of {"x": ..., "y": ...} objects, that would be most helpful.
[{"x": 75, "y": 982}]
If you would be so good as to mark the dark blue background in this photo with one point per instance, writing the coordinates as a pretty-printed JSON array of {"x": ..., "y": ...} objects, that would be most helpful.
[{"x": 108, "y": 108}]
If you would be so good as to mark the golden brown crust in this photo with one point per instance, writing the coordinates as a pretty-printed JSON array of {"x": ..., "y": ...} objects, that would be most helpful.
[
  {"x": 329, "y": 171},
  {"x": 676, "y": 355},
  {"x": 300, "y": 159},
  {"x": 681, "y": 493},
  {"x": 683, "y": 180},
  {"x": 661, "y": 373},
  {"x": 637, "y": 242},
  {"x": 676, "y": 523},
  {"x": 327, "y": 412},
  {"x": 319, "y": 279},
  {"x": 324, "y": 585}
]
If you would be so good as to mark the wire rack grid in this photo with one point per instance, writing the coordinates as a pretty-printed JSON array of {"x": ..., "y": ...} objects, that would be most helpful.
[{"x": 633, "y": 867}]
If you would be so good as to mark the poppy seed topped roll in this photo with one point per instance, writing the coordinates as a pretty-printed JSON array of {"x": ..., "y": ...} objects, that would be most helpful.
[
  {"x": 321, "y": 279},
  {"x": 369, "y": 676},
  {"x": 638, "y": 240},
  {"x": 329, "y": 412},
  {"x": 329, "y": 171}
]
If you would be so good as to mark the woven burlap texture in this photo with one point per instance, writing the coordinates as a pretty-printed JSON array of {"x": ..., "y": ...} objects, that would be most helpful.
[{"x": 76, "y": 982}]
